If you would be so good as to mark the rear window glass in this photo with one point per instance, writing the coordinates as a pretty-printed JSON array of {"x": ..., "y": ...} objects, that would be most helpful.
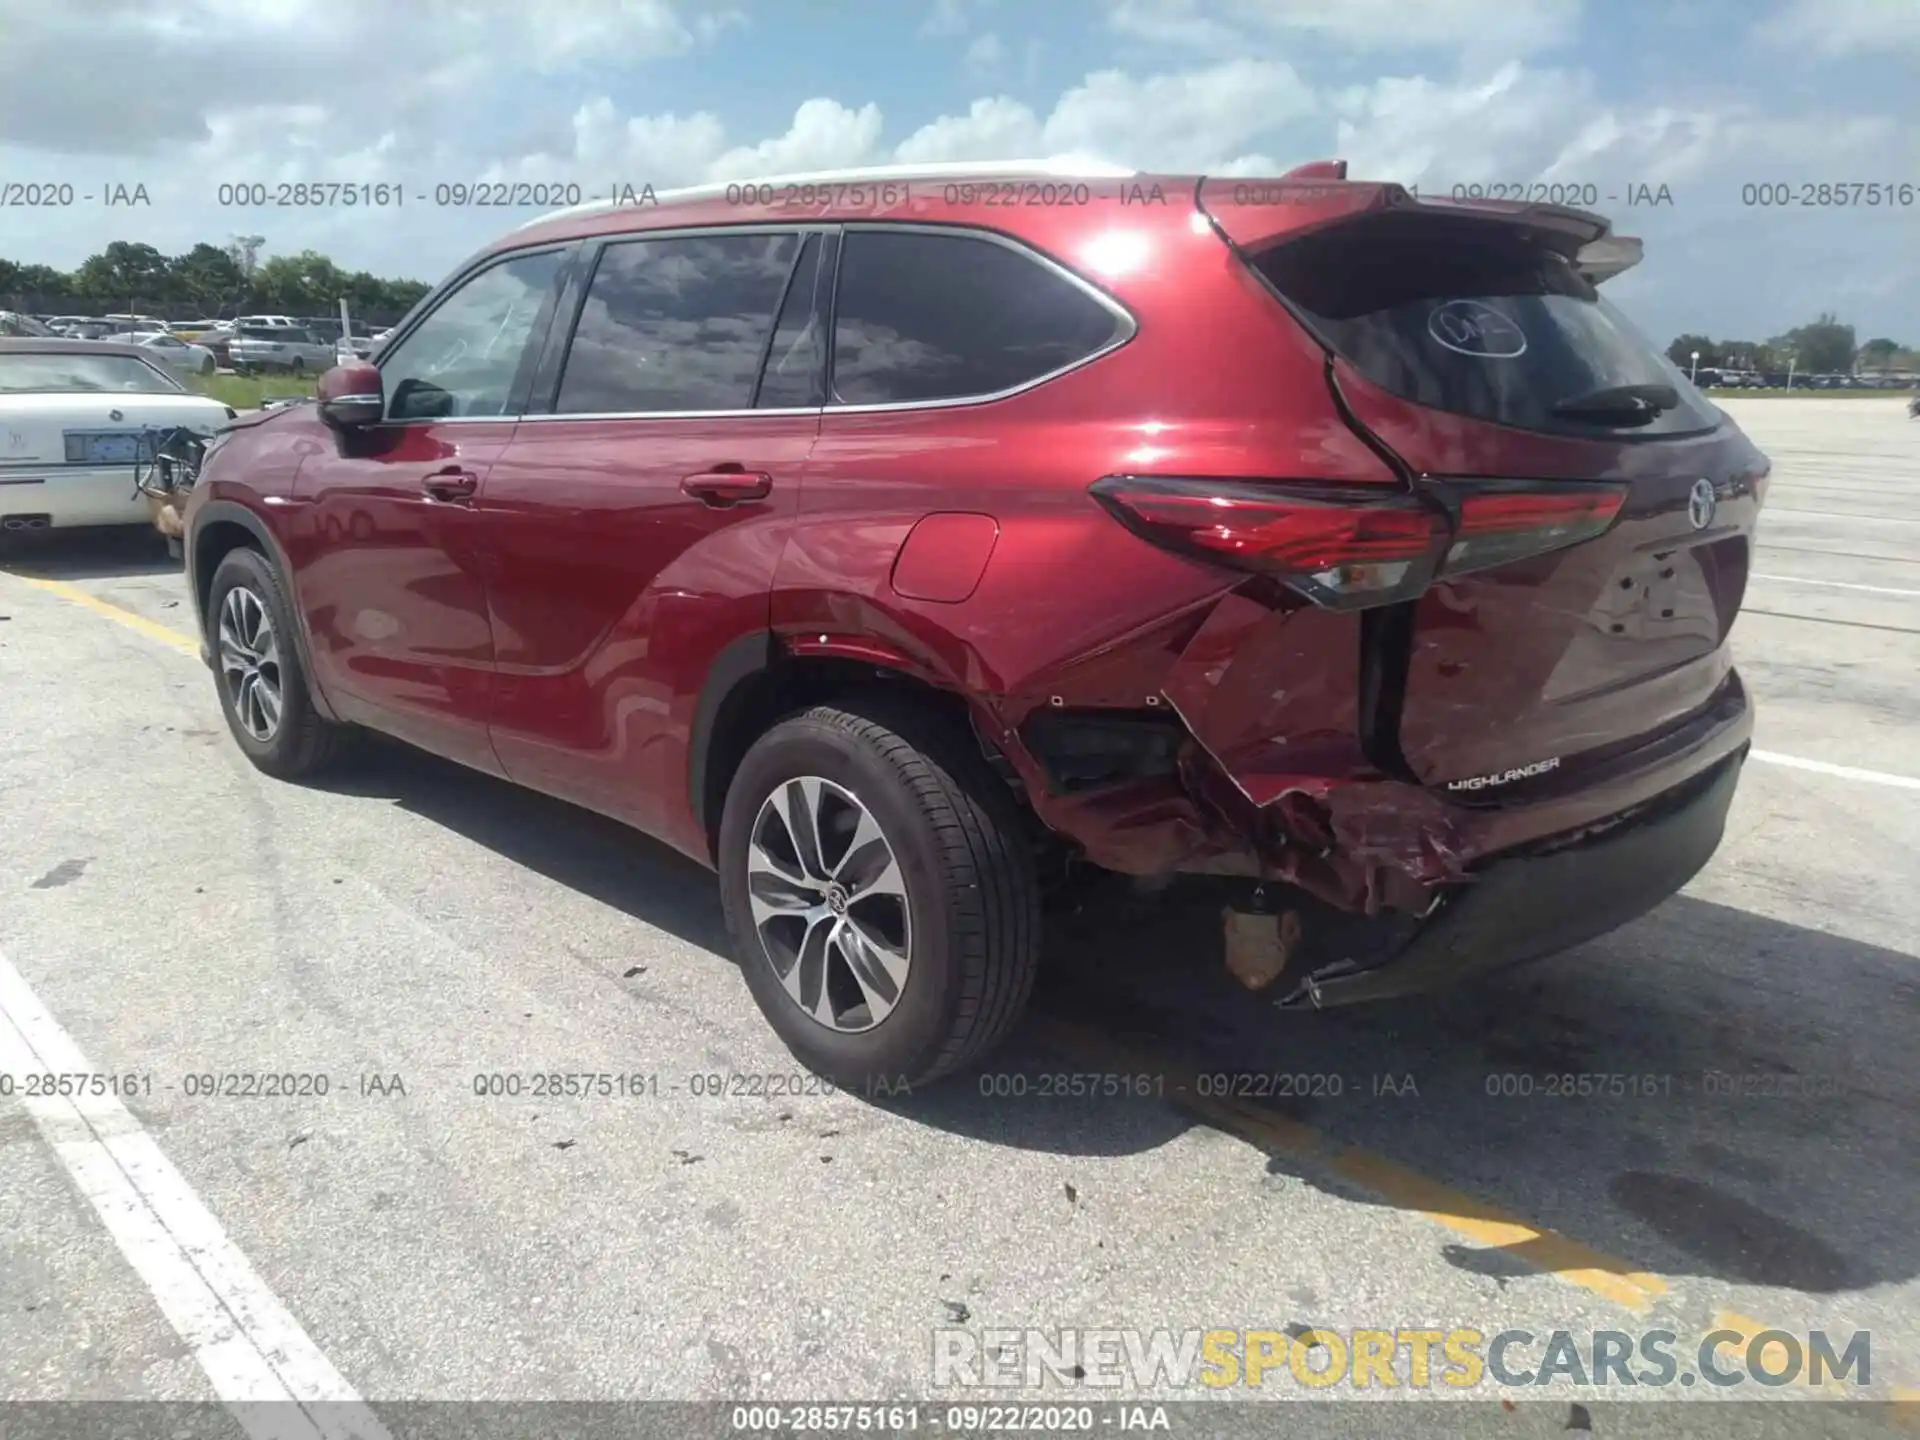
[
  {"x": 921, "y": 316},
  {"x": 1463, "y": 317}
]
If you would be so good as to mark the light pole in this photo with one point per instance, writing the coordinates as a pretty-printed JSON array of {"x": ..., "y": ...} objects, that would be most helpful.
[
  {"x": 1792, "y": 360},
  {"x": 1694, "y": 369}
]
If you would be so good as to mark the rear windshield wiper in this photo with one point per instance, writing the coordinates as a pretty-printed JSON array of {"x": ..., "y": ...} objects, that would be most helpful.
[{"x": 1628, "y": 403}]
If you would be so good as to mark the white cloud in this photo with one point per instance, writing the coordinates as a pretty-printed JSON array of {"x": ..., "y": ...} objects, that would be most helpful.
[
  {"x": 1232, "y": 26},
  {"x": 1833, "y": 28},
  {"x": 991, "y": 128},
  {"x": 946, "y": 20},
  {"x": 366, "y": 61},
  {"x": 1411, "y": 128},
  {"x": 984, "y": 53},
  {"x": 825, "y": 135},
  {"x": 371, "y": 90},
  {"x": 1188, "y": 120}
]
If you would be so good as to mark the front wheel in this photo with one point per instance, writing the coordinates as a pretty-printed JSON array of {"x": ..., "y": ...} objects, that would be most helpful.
[
  {"x": 880, "y": 894},
  {"x": 264, "y": 691}
]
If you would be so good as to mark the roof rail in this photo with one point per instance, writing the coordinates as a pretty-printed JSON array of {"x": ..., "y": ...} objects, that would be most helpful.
[{"x": 1076, "y": 166}]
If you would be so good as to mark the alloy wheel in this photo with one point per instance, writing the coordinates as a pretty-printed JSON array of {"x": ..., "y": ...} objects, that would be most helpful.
[
  {"x": 829, "y": 904},
  {"x": 250, "y": 662}
]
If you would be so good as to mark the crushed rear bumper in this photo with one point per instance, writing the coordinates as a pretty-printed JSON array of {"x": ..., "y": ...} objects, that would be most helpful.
[{"x": 1536, "y": 902}]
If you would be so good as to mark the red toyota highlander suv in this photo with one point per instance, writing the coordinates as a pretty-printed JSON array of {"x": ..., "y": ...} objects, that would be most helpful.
[{"x": 895, "y": 543}]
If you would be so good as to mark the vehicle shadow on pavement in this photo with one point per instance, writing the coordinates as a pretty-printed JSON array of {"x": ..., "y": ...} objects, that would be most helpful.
[
  {"x": 575, "y": 847},
  {"x": 1760, "y": 1130},
  {"x": 106, "y": 553}
]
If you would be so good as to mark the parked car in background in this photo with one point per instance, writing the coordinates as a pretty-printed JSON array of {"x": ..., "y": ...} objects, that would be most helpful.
[
  {"x": 13, "y": 323},
  {"x": 76, "y": 418},
  {"x": 141, "y": 324},
  {"x": 888, "y": 568},
  {"x": 258, "y": 322},
  {"x": 192, "y": 329},
  {"x": 257, "y": 348},
  {"x": 181, "y": 356},
  {"x": 216, "y": 343}
]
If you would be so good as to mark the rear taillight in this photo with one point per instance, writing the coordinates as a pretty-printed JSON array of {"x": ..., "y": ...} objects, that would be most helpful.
[
  {"x": 1348, "y": 548},
  {"x": 1343, "y": 549},
  {"x": 1501, "y": 526}
]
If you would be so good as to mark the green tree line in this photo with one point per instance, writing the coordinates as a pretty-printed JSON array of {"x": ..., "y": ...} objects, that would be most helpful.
[
  {"x": 1825, "y": 347},
  {"x": 207, "y": 281}
]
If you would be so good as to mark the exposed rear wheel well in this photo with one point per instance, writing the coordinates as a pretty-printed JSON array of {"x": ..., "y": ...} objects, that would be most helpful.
[
  {"x": 765, "y": 697},
  {"x": 211, "y": 545}
]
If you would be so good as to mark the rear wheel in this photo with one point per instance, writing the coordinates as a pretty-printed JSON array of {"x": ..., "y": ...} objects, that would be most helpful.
[
  {"x": 264, "y": 691},
  {"x": 880, "y": 894}
]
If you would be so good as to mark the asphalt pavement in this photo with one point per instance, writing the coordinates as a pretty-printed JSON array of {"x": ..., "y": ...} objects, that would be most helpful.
[{"x": 723, "y": 1229}]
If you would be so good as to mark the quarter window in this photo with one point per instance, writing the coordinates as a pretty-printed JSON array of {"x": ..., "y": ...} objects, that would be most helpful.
[
  {"x": 676, "y": 324},
  {"x": 921, "y": 316},
  {"x": 462, "y": 359}
]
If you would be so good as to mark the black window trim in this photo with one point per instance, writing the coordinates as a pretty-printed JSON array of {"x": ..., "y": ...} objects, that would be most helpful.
[
  {"x": 546, "y": 388},
  {"x": 780, "y": 308},
  {"x": 519, "y": 393},
  {"x": 1124, "y": 330}
]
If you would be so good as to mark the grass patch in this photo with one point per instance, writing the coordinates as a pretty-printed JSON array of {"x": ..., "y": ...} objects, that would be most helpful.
[{"x": 249, "y": 392}]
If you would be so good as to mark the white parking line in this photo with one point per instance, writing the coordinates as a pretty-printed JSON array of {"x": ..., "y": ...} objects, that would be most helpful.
[
  {"x": 263, "y": 1366},
  {"x": 1847, "y": 515},
  {"x": 1844, "y": 772},
  {"x": 1835, "y": 584}
]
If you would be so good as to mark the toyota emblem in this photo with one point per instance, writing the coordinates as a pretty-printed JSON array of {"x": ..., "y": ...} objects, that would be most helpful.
[
  {"x": 116, "y": 415},
  {"x": 1701, "y": 504}
]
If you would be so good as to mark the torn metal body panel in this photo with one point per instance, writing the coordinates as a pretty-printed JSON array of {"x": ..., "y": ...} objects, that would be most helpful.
[{"x": 1250, "y": 771}]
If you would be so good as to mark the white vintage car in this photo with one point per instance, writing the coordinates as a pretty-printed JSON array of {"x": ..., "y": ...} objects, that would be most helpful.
[{"x": 79, "y": 422}]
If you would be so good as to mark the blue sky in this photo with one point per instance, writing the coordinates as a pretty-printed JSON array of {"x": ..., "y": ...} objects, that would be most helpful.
[{"x": 1705, "y": 97}]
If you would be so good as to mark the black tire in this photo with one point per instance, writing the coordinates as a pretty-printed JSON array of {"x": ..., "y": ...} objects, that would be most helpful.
[
  {"x": 303, "y": 741},
  {"x": 972, "y": 894}
]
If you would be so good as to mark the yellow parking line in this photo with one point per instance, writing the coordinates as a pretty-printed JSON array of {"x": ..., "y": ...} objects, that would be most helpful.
[
  {"x": 1625, "y": 1285},
  {"x": 1749, "y": 1329},
  {"x": 152, "y": 629}
]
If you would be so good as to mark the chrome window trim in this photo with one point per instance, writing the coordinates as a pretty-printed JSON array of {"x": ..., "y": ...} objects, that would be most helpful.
[
  {"x": 541, "y": 417},
  {"x": 1124, "y": 331}
]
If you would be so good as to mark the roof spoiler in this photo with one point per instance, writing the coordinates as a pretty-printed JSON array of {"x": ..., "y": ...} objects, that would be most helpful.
[
  {"x": 1254, "y": 214},
  {"x": 1600, "y": 260}
]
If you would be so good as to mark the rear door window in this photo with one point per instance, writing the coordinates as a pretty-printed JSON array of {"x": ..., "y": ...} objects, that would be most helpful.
[
  {"x": 680, "y": 323},
  {"x": 921, "y": 316},
  {"x": 1482, "y": 321}
]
